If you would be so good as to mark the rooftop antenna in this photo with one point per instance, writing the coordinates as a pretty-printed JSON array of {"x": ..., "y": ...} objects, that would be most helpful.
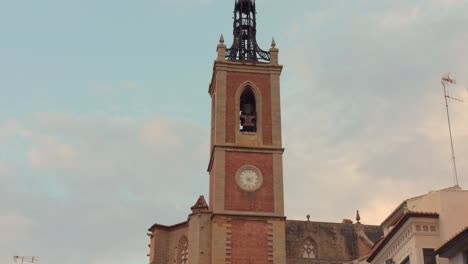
[
  {"x": 447, "y": 81},
  {"x": 22, "y": 259}
]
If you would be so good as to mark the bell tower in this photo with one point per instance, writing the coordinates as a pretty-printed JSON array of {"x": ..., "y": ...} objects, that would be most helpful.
[{"x": 245, "y": 167}]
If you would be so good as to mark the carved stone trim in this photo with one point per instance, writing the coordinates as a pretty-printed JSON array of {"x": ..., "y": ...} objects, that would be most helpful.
[
  {"x": 228, "y": 241},
  {"x": 235, "y": 148}
]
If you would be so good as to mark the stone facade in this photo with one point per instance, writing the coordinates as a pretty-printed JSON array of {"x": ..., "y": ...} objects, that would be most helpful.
[
  {"x": 328, "y": 242},
  {"x": 211, "y": 239}
]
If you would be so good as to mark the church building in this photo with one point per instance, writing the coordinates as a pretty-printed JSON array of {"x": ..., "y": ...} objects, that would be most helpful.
[{"x": 243, "y": 221}]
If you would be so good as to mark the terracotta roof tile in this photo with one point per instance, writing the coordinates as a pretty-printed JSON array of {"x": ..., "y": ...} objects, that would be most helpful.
[
  {"x": 378, "y": 247},
  {"x": 451, "y": 240}
]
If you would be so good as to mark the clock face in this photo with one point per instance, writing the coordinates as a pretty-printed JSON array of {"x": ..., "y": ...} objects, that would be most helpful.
[{"x": 249, "y": 180}]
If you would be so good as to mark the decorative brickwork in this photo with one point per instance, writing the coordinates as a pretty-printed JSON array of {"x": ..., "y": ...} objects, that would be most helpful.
[
  {"x": 270, "y": 241},
  {"x": 228, "y": 241}
]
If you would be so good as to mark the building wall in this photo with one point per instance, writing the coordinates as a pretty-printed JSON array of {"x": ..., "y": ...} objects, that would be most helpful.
[
  {"x": 453, "y": 214},
  {"x": 159, "y": 247},
  {"x": 234, "y": 82},
  {"x": 401, "y": 246},
  {"x": 165, "y": 249},
  {"x": 426, "y": 239},
  {"x": 220, "y": 240},
  {"x": 420, "y": 233},
  {"x": 450, "y": 204},
  {"x": 458, "y": 259},
  {"x": 333, "y": 242},
  {"x": 236, "y": 199},
  {"x": 199, "y": 237},
  {"x": 410, "y": 240},
  {"x": 248, "y": 241}
]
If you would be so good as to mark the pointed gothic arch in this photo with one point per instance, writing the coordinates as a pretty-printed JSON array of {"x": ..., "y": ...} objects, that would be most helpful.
[
  {"x": 247, "y": 93},
  {"x": 248, "y": 111},
  {"x": 308, "y": 249},
  {"x": 182, "y": 250}
]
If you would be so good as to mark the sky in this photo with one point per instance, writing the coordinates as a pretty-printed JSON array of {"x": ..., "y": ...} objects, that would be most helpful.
[{"x": 104, "y": 114}]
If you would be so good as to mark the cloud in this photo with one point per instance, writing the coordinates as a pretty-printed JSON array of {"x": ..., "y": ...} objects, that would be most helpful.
[
  {"x": 52, "y": 153},
  {"x": 99, "y": 174},
  {"x": 14, "y": 224},
  {"x": 186, "y": 3},
  {"x": 364, "y": 127},
  {"x": 447, "y": 3},
  {"x": 12, "y": 129},
  {"x": 132, "y": 85},
  {"x": 365, "y": 116},
  {"x": 401, "y": 19},
  {"x": 113, "y": 87}
]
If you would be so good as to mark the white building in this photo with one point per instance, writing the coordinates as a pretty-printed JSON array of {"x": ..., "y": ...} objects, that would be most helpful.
[{"x": 420, "y": 225}]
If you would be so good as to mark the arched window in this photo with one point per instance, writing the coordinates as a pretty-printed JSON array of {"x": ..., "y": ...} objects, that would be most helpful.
[
  {"x": 183, "y": 250},
  {"x": 308, "y": 250},
  {"x": 248, "y": 111}
]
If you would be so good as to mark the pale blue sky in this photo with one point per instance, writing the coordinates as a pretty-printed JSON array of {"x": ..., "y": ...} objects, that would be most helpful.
[{"x": 104, "y": 113}]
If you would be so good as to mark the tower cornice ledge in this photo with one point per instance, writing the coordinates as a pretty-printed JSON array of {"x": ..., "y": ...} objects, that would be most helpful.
[
  {"x": 243, "y": 66},
  {"x": 256, "y": 215},
  {"x": 247, "y": 66},
  {"x": 168, "y": 228},
  {"x": 236, "y": 148}
]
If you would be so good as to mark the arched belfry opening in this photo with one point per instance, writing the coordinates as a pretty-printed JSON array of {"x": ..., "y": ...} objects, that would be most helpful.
[{"x": 248, "y": 111}]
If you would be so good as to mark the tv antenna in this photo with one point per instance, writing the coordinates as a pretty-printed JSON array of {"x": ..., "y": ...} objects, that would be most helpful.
[
  {"x": 447, "y": 81},
  {"x": 22, "y": 259}
]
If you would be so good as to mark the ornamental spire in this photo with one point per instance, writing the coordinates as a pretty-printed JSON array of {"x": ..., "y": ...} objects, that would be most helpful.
[{"x": 244, "y": 46}]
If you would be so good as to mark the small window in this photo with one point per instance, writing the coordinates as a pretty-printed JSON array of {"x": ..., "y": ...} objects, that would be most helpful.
[
  {"x": 429, "y": 256},
  {"x": 308, "y": 250},
  {"x": 183, "y": 250},
  {"x": 406, "y": 261},
  {"x": 248, "y": 111}
]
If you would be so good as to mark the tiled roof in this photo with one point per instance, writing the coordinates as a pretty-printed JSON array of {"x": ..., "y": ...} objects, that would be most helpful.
[
  {"x": 453, "y": 241},
  {"x": 381, "y": 244},
  {"x": 200, "y": 205}
]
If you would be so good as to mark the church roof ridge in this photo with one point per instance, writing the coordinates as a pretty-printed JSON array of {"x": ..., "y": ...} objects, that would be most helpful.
[
  {"x": 166, "y": 227},
  {"x": 330, "y": 223}
]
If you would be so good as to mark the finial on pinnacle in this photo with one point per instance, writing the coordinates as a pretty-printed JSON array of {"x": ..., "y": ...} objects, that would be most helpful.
[
  {"x": 358, "y": 217},
  {"x": 308, "y": 218},
  {"x": 273, "y": 43},
  {"x": 221, "y": 39}
]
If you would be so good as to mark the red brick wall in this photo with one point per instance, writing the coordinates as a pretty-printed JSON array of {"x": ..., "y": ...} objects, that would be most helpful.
[
  {"x": 233, "y": 82},
  {"x": 236, "y": 199},
  {"x": 249, "y": 242}
]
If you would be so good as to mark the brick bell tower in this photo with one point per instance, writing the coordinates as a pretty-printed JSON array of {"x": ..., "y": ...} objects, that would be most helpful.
[{"x": 245, "y": 168}]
